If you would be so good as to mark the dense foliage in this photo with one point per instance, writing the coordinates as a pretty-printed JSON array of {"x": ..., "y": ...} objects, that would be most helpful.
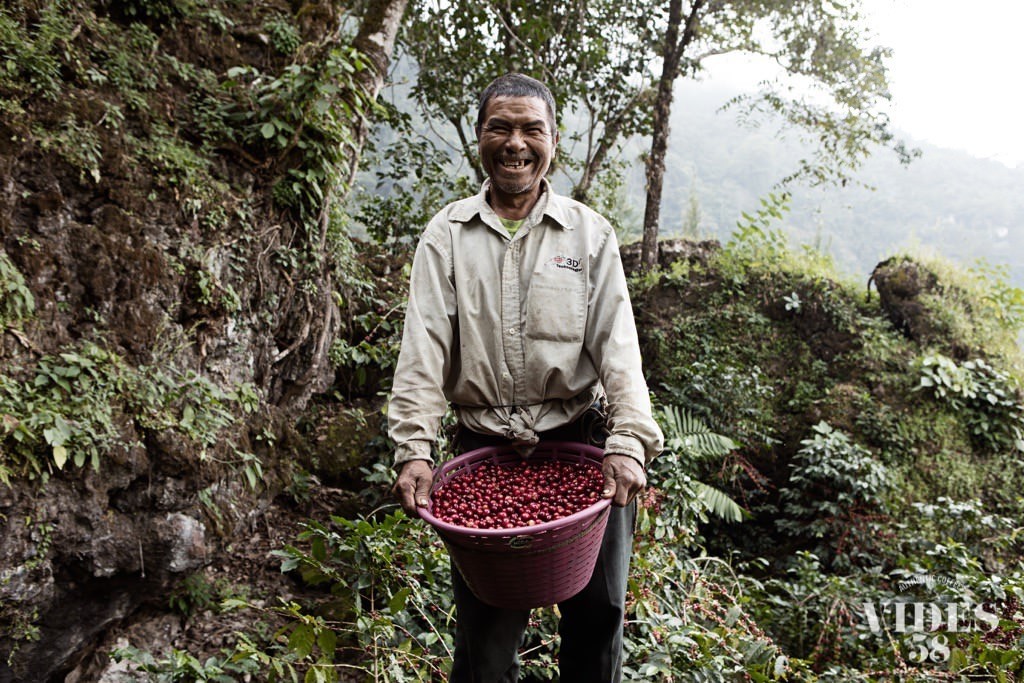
[{"x": 852, "y": 527}]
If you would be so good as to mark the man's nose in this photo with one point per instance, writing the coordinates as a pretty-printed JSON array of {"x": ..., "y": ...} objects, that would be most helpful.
[{"x": 516, "y": 139}]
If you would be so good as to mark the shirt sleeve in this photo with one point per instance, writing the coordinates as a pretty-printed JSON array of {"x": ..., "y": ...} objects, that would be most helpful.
[
  {"x": 611, "y": 340},
  {"x": 418, "y": 401}
]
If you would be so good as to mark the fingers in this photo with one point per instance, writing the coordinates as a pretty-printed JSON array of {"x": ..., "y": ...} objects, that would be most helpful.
[
  {"x": 423, "y": 491},
  {"x": 412, "y": 488},
  {"x": 402, "y": 491},
  {"x": 623, "y": 479},
  {"x": 609, "y": 483}
]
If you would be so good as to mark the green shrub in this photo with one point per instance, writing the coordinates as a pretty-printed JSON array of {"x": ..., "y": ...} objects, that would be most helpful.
[
  {"x": 988, "y": 399},
  {"x": 676, "y": 501},
  {"x": 196, "y": 593},
  {"x": 74, "y": 408},
  {"x": 836, "y": 490},
  {"x": 32, "y": 53},
  {"x": 813, "y": 613},
  {"x": 284, "y": 36},
  {"x": 299, "y": 118},
  {"x": 393, "y": 209},
  {"x": 692, "y": 621},
  {"x": 392, "y": 581},
  {"x": 180, "y": 666},
  {"x": 976, "y": 309}
]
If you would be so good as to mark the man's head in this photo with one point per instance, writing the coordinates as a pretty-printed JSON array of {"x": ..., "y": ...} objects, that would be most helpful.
[
  {"x": 517, "y": 138},
  {"x": 516, "y": 85}
]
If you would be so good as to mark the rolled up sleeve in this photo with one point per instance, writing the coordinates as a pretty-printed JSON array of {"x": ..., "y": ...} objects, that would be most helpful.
[
  {"x": 611, "y": 340},
  {"x": 418, "y": 400}
]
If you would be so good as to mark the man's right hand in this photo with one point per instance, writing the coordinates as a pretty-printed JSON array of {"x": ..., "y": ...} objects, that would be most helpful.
[{"x": 413, "y": 486}]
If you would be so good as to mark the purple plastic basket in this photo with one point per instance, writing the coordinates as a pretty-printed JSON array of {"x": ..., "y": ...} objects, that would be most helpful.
[{"x": 524, "y": 567}]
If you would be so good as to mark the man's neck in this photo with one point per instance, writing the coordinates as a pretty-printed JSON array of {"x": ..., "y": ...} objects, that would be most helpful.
[{"x": 513, "y": 206}]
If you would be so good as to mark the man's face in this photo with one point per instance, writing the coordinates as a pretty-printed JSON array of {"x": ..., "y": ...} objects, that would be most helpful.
[{"x": 516, "y": 143}]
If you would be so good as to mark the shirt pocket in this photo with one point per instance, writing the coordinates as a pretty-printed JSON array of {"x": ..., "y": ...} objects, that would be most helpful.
[{"x": 556, "y": 309}]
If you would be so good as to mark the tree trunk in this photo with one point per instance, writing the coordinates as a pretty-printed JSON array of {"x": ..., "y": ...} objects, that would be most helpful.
[
  {"x": 376, "y": 40},
  {"x": 675, "y": 45},
  {"x": 468, "y": 150},
  {"x": 303, "y": 368},
  {"x": 592, "y": 165}
]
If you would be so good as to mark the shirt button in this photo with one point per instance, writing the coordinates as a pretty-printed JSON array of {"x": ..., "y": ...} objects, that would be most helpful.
[{"x": 511, "y": 330}]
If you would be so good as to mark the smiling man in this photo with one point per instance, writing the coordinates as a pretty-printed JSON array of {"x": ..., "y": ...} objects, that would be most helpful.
[
  {"x": 519, "y": 317},
  {"x": 517, "y": 142}
]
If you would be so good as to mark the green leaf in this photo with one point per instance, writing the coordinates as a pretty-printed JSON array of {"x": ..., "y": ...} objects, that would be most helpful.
[
  {"x": 327, "y": 641},
  {"x": 188, "y": 417},
  {"x": 689, "y": 434},
  {"x": 250, "y": 476},
  {"x": 233, "y": 603},
  {"x": 59, "y": 433},
  {"x": 60, "y": 456},
  {"x": 318, "y": 550},
  {"x": 397, "y": 602},
  {"x": 268, "y": 130},
  {"x": 301, "y": 640}
]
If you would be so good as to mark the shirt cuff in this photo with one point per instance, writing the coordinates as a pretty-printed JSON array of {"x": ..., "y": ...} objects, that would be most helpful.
[
  {"x": 621, "y": 444},
  {"x": 413, "y": 450}
]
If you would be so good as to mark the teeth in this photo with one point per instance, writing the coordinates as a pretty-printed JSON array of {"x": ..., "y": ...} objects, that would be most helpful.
[{"x": 514, "y": 164}]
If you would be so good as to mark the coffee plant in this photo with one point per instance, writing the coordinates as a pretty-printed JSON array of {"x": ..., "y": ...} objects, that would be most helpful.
[{"x": 835, "y": 494}]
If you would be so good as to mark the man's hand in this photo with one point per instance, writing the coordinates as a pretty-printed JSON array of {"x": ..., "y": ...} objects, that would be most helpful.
[
  {"x": 413, "y": 486},
  {"x": 623, "y": 479}
]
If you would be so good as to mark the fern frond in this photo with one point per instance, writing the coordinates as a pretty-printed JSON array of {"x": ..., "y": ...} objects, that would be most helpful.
[
  {"x": 718, "y": 502},
  {"x": 687, "y": 433}
]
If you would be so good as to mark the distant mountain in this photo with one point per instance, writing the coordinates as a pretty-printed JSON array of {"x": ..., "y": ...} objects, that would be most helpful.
[{"x": 963, "y": 207}]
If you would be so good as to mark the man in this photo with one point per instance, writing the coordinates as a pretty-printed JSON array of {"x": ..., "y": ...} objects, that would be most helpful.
[{"x": 519, "y": 316}]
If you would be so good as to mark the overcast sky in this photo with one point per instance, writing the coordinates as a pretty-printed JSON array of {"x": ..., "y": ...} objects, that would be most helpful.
[{"x": 956, "y": 74}]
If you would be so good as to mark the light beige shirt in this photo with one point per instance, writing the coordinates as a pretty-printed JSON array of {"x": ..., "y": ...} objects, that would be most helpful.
[{"x": 521, "y": 334}]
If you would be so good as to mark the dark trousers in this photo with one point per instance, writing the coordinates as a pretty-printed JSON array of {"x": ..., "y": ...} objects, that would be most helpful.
[{"x": 487, "y": 638}]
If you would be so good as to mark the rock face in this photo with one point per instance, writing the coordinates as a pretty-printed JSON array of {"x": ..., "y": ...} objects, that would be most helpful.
[
  {"x": 82, "y": 548},
  {"x": 901, "y": 283},
  {"x": 166, "y": 311},
  {"x": 81, "y": 554},
  {"x": 671, "y": 251},
  {"x": 116, "y": 260}
]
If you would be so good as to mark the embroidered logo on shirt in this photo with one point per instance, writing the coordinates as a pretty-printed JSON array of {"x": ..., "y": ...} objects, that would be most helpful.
[{"x": 566, "y": 263}]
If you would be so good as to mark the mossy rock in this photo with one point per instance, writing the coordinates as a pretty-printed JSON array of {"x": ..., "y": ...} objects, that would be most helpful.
[
  {"x": 340, "y": 443},
  {"x": 901, "y": 284}
]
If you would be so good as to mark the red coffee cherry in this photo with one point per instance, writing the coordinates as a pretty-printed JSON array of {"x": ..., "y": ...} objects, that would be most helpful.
[{"x": 518, "y": 494}]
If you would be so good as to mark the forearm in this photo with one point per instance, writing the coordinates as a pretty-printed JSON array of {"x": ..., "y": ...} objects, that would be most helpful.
[
  {"x": 418, "y": 400},
  {"x": 615, "y": 349}
]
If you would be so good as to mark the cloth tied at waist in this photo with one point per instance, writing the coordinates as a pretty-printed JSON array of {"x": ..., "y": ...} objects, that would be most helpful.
[{"x": 520, "y": 430}]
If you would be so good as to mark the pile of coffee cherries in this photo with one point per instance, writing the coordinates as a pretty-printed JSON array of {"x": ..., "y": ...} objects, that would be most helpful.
[{"x": 519, "y": 494}]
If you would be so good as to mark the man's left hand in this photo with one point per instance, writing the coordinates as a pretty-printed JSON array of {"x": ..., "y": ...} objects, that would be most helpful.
[{"x": 623, "y": 479}]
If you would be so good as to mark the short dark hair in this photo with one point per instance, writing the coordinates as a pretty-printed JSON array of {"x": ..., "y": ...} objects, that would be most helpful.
[{"x": 516, "y": 85}]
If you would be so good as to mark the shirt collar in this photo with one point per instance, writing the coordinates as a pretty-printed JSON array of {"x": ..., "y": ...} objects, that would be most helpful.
[{"x": 549, "y": 204}]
